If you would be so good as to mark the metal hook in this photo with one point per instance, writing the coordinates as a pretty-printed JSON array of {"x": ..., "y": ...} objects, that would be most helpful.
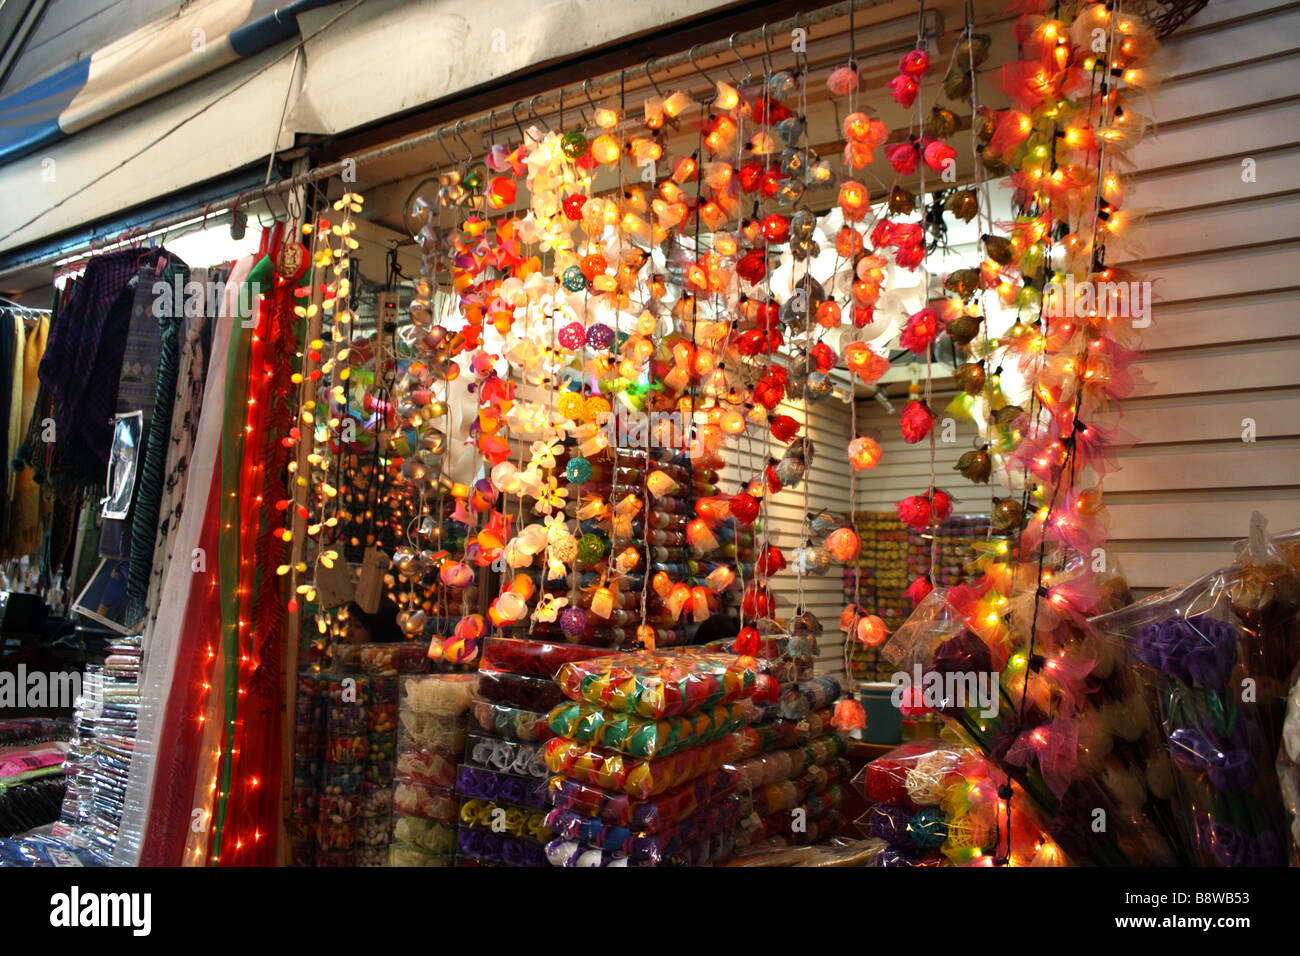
[
  {"x": 586, "y": 91},
  {"x": 532, "y": 111},
  {"x": 652, "y": 79},
  {"x": 804, "y": 68},
  {"x": 487, "y": 133},
  {"x": 443, "y": 144},
  {"x": 731, "y": 42},
  {"x": 767, "y": 52},
  {"x": 469, "y": 153},
  {"x": 514, "y": 112},
  {"x": 712, "y": 96}
]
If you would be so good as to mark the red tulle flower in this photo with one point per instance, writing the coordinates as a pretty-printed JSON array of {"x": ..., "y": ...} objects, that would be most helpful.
[
  {"x": 744, "y": 508},
  {"x": 914, "y": 511},
  {"x": 902, "y": 156},
  {"x": 938, "y": 154},
  {"x": 916, "y": 591},
  {"x": 770, "y": 561},
  {"x": 784, "y": 428},
  {"x": 916, "y": 421},
  {"x": 904, "y": 90},
  {"x": 914, "y": 64},
  {"x": 920, "y": 331},
  {"x": 752, "y": 266}
]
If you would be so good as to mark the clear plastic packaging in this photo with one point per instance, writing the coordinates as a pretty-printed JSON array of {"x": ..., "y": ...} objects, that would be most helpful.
[
  {"x": 642, "y": 736},
  {"x": 646, "y": 816},
  {"x": 1219, "y": 654},
  {"x": 640, "y": 779},
  {"x": 437, "y": 695},
  {"x": 495, "y": 848},
  {"x": 426, "y": 836},
  {"x": 659, "y": 684},
  {"x": 430, "y": 767},
  {"x": 429, "y": 803},
  {"x": 534, "y": 693},
  {"x": 506, "y": 819},
  {"x": 400, "y": 854},
  {"x": 482, "y": 784},
  {"x": 506, "y": 756},
  {"x": 509, "y": 723},
  {"x": 534, "y": 658}
]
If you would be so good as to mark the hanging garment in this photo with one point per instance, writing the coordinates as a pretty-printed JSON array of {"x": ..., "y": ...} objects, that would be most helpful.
[
  {"x": 158, "y": 430},
  {"x": 190, "y": 380},
  {"x": 183, "y": 647},
  {"x": 25, "y": 516},
  {"x": 147, "y": 358},
  {"x": 10, "y": 355},
  {"x": 81, "y": 366}
]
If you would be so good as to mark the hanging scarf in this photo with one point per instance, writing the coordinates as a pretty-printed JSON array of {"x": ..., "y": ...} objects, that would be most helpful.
[
  {"x": 157, "y": 432},
  {"x": 25, "y": 518},
  {"x": 81, "y": 366},
  {"x": 184, "y": 652}
]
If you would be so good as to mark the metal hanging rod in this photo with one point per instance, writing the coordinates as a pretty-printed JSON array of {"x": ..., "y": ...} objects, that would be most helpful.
[{"x": 483, "y": 122}]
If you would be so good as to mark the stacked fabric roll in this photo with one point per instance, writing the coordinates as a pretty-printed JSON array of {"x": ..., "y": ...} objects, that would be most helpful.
[
  {"x": 793, "y": 767},
  {"x": 502, "y": 782},
  {"x": 99, "y": 753},
  {"x": 640, "y": 763},
  {"x": 432, "y": 714}
]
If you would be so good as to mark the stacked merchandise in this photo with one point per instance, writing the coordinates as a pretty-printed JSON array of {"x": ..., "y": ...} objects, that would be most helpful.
[
  {"x": 954, "y": 548},
  {"x": 939, "y": 805},
  {"x": 640, "y": 760},
  {"x": 99, "y": 753},
  {"x": 793, "y": 765},
  {"x": 1214, "y": 661},
  {"x": 602, "y": 604},
  {"x": 425, "y": 806},
  {"x": 502, "y": 782},
  {"x": 880, "y": 578},
  {"x": 344, "y": 757},
  {"x": 33, "y": 751}
]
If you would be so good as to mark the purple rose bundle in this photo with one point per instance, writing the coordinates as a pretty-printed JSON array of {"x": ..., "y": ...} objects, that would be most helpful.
[{"x": 1217, "y": 741}]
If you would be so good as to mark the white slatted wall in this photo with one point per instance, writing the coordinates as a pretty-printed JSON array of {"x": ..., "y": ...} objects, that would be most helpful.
[{"x": 1225, "y": 341}]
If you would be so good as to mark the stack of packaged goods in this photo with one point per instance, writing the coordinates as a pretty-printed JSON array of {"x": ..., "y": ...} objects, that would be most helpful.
[
  {"x": 502, "y": 782},
  {"x": 651, "y": 494},
  {"x": 940, "y": 805},
  {"x": 641, "y": 759},
  {"x": 793, "y": 764},
  {"x": 878, "y": 583},
  {"x": 432, "y": 717},
  {"x": 345, "y": 744},
  {"x": 99, "y": 753}
]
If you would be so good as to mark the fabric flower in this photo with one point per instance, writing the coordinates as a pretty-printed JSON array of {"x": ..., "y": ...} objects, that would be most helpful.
[
  {"x": 916, "y": 422},
  {"x": 921, "y": 330},
  {"x": 915, "y": 63},
  {"x": 904, "y": 90}
]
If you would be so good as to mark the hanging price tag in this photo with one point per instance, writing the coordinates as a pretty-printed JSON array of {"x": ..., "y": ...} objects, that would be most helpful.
[
  {"x": 371, "y": 581},
  {"x": 333, "y": 584}
]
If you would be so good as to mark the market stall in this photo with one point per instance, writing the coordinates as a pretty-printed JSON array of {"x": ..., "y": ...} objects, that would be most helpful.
[{"x": 514, "y": 498}]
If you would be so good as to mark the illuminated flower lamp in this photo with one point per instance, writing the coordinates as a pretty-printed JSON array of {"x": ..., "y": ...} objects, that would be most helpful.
[{"x": 864, "y": 453}]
